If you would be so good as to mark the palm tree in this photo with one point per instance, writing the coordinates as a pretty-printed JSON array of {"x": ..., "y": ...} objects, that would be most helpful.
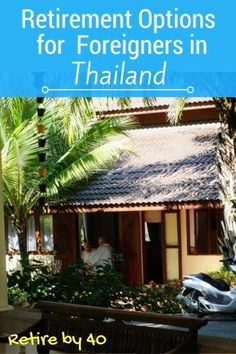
[
  {"x": 225, "y": 106},
  {"x": 79, "y": 144},
  {"x": 226, "y": 109}
]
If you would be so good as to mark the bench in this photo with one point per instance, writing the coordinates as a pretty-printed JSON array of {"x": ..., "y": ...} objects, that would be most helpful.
[
  {"x": 106, "y": 330},
  {"x": 20, "y": 321}
]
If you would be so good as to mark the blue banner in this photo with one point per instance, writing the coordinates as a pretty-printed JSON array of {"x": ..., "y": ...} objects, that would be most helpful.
[{"x": 125, "y": 48}]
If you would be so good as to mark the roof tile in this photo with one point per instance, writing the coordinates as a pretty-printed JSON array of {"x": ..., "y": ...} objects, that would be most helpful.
[{"x": 170, "y": 164}]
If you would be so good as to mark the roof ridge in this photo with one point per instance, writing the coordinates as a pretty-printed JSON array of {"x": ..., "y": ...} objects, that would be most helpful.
[{"x": 179, "y": 126}]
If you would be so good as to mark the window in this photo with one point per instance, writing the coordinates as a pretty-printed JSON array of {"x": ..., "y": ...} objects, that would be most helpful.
[
  {"x": 203, "y": 231},
  {"x": 46, "y": 231},
  {"x": 39, "y": 234},
  {"x": 31, "y": 240},
  {"x": 12, "y": 239}
]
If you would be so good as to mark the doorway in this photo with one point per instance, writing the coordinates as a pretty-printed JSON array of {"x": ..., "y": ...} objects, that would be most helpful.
[{"x": 153, "y": 248}]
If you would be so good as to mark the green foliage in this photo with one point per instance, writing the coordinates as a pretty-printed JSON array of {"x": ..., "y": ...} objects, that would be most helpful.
[
  {"x": 26, "y": 290},
  {"x": 163, "y": 298},
  {"x": 103, "y": 288},
  {"x": 155, "y": 298},
  {"x": 78, "y": 145},
  {"x": 223, "y": 274},
  {"x": 17, "y": 296},
  {"x": 74, "y": 285}
]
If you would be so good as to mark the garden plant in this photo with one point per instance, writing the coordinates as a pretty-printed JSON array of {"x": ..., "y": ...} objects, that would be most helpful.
[{"x": 103, "y": 288}]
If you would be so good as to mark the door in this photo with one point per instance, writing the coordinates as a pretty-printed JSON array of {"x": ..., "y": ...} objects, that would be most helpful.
[
  {"x": 130, "y": 245},
  {"x": 153, "y": 252},
  {"x": 66, "y": 238},
  {"x": 172, "y": 245}
]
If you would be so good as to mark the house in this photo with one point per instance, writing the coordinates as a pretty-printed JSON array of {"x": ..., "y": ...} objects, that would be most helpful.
[{"x": 160, "y": 206}]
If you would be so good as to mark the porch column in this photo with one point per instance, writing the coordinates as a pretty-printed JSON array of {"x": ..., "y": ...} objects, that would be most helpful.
[{"x": 3, "y": 276}]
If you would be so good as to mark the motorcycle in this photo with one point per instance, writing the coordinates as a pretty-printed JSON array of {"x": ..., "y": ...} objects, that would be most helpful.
[{"x": 204, "y": 295}]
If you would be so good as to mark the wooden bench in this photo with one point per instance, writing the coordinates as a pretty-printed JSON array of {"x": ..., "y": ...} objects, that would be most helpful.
[
  {"x": 20, "y": 321},
  {"x": 105, "y": 330}
]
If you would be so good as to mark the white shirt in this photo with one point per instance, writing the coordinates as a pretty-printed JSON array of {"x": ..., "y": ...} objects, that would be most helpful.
[
  {"x": 87, "y": 257},
  {"x": 103, "y": 255}
]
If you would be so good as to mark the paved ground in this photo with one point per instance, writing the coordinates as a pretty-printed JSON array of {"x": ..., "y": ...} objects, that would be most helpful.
[
  {"x": 216, "y": 345},
  {"x": 218, "y": 336},
  {"x": 224, "y": 329}
]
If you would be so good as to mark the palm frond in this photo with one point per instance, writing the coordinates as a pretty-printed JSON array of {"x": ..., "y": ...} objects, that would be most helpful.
[
  {"x": 20, "y": 161},
  {"x": 90, "y": 135},
  {"x": 175, "y": 110},
  {"x": 79, "y": 144},
  {"x": 72, "y": 115},
  {"x": 100, "y": 143},
  {"x": 95, "y": 161},
  {"x": 149, "y": 101}
]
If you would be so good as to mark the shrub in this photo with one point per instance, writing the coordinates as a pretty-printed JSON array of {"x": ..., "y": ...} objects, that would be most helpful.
[
  {"x": 154, "y": 298},
  {"x": 74, "y": 285},
  {"x": 224, "y": 274},
  {"x": 17, "y": 297},
  {"x": 101, "y": 288},
  {"x": 30, "y": 288}
]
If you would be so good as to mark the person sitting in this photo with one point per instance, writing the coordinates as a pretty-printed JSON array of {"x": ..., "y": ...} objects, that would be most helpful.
[
  {"x": 103, "y": 254},
  {"x": 87, "y": 254}
]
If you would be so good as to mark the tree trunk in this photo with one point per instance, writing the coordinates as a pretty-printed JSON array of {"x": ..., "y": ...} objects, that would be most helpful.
[
  {"x": 22, "y": 237},
  {"x": 20, "y": 227},
  {"x": 19, "y": 223}
]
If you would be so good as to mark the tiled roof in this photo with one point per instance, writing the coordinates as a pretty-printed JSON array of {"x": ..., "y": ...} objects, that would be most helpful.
[
  {"x": 137, "y": 103},
  {"x": 170, "y": 165}
]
